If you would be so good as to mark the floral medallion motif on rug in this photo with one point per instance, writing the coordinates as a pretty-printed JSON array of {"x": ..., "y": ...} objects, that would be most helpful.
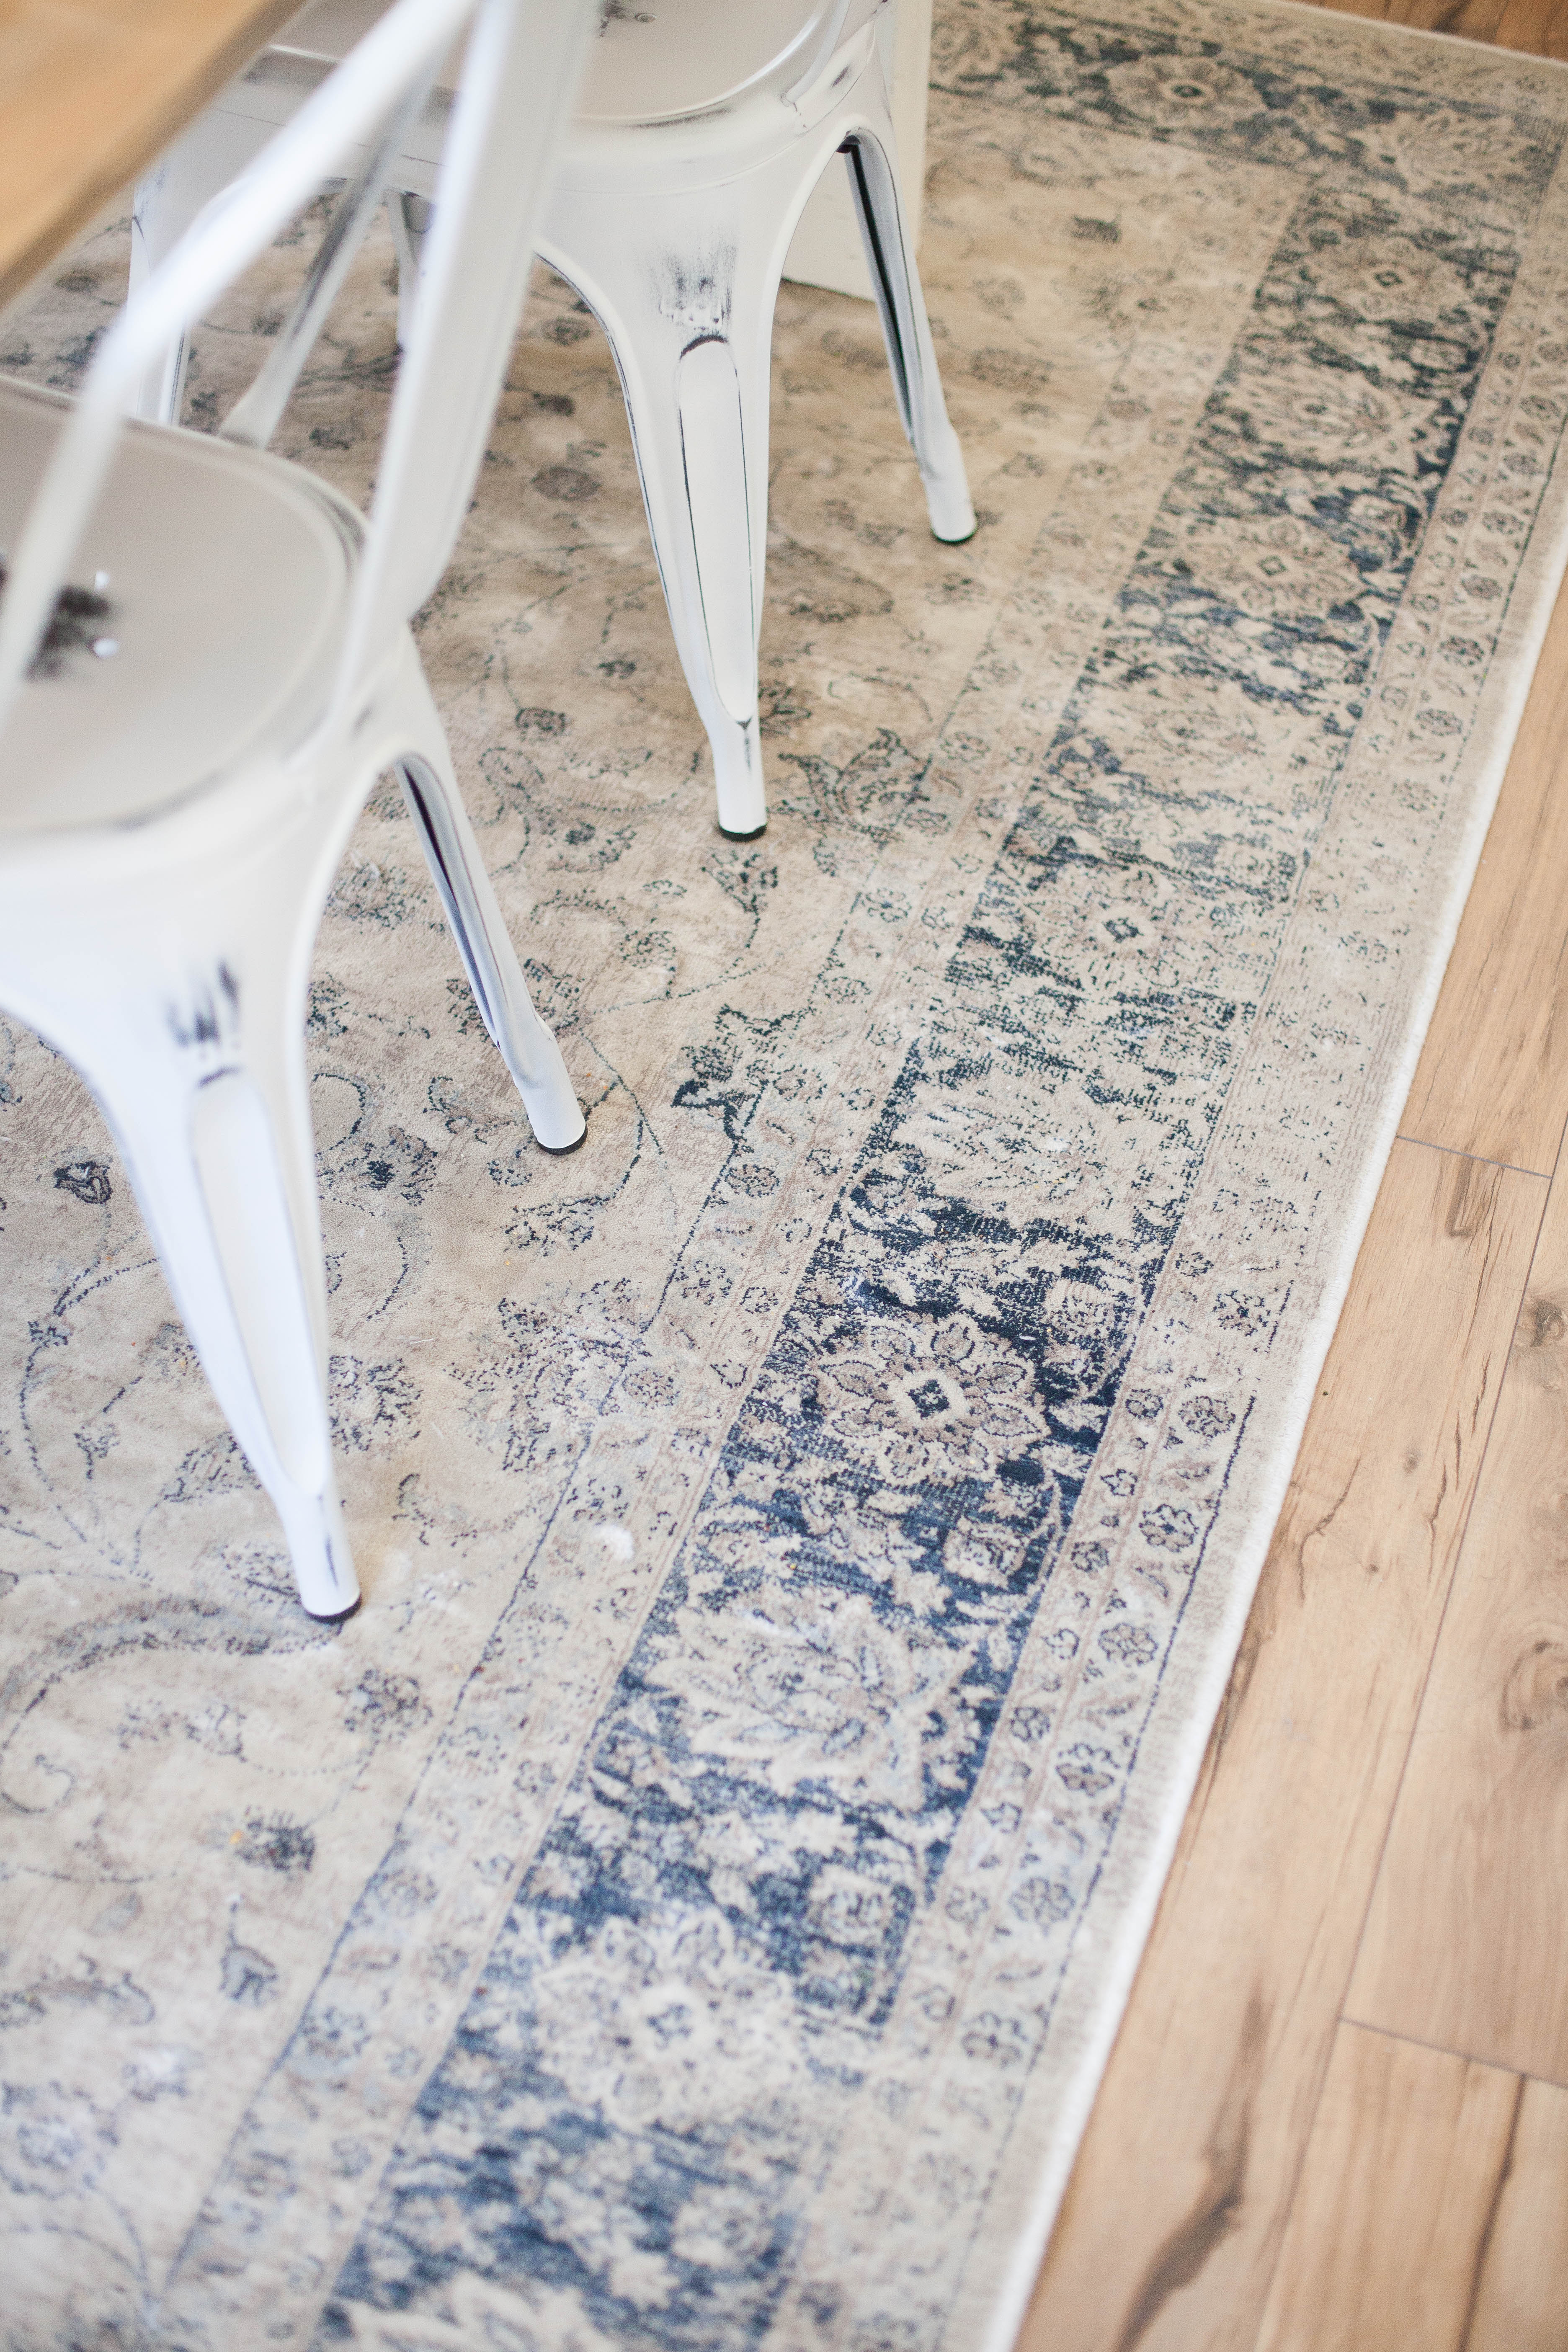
[{"x": 806, "y": 1534}]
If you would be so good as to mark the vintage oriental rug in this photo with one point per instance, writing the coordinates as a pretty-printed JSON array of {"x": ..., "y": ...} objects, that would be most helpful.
[{"x": 806, "y": 1534}]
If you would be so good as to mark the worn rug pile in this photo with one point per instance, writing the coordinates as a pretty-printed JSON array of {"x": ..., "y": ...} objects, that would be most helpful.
[{"x": 805, "y": 1534}]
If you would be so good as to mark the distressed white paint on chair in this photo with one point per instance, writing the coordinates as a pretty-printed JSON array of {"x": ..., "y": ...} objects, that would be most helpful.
[
  {"x": 703, "y": 129},
  {"x": 174, "y": 798}
]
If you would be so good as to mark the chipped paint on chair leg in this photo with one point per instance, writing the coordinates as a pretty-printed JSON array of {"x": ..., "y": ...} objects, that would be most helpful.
[
  {"x": 526, "y": 1046},
  {"x": 237, "y": 1146},
  {"x": 687, "y": 302},
  {"x": 490, "y": 959},
  {"x": 906, "y": 330},
  {"x": 711, "y": 420},
  {"x": 198, "y": 1062}
]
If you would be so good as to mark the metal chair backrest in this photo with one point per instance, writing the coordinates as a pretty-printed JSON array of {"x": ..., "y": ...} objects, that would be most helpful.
[{"x": 511, "y": 111}]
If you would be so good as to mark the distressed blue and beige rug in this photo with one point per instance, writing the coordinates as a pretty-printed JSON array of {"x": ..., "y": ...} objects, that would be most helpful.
[{"x": 806, "y": 1534}]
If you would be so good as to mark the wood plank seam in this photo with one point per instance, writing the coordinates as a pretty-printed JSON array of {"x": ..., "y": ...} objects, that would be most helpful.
[
  {"x": 1386, "y": 2250},
  {"x": 1438, "y": 2049},
  {"x": 1465, "y": 1526},
  {"x": 1422, "y": 1144},
  {"x": 1458, "y": 1570}
]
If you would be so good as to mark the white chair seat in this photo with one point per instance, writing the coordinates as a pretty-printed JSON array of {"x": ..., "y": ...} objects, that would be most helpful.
[
  {"x": 229, "y": 576},
  {"x": 648, "y": 64},
  {"x": 658, "y": 62}
]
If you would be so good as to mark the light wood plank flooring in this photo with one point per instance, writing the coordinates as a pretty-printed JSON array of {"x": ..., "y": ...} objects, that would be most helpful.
[{"x": 1336, "y": 2117}]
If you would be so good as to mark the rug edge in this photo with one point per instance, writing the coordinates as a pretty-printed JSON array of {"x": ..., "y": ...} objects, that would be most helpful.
[{"x": 1499, "y": 718}]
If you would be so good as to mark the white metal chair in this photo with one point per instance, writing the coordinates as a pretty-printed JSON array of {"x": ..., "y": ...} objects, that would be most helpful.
[
  {"x": 703, "y": 127},
  {"x": 186, "y": 746}
]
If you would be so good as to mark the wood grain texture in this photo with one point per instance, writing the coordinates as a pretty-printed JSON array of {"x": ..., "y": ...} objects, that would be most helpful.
[
  {"x": 1493, "y": 1075},
  {"x": 1178, "y": 2203},
  {"x": 1521, "y": 2303},
  {"x": 1392, "y": 2219},
  {"x": 1467, "y": 1926},
  {"x": 91, "y": 91},
  {"x": 1536, "y": 27}
]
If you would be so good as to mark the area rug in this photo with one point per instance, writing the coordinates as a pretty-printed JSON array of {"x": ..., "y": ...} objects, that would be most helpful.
[{"x": 807, "y": 1534}]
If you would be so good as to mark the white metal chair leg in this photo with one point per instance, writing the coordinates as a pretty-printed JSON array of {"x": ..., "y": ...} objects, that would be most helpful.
[
  {"x": 495, "y": 975},
  {"x": 917, "y": 384},
  {"x": 153, "y": 230},
  {"x": 489, "y": 959},
  {"x": 194, "y": 1050},
  {"x": 684, "y": 285},
  {"x": 181, "y": 185},
  {"x": 255, "y": 1326},
  {"x": 409, "y": 218},
  {"x": 413, "y": 725}
]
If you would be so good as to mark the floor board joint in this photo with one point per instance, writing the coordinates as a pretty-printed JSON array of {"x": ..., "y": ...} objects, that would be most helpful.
[{"x": 1480, "y": 1158}]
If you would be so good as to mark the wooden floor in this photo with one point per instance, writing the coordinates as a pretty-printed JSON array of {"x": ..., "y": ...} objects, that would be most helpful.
[{"x": 1336, "y": 2118}]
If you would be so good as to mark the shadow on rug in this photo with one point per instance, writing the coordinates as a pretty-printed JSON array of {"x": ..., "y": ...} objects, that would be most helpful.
[{"x": 807, "y": 1534}]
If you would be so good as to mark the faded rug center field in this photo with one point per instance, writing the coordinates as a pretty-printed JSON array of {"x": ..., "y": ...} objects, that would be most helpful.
[{"x": 807, "y": 1534}]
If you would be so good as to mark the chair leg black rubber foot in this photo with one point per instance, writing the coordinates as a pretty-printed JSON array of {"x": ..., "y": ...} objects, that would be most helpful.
[
  {"x": 755, "y": 833},
  {"x": 338, "y": 1616},
  {"x": 563, "y": 1151}
]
